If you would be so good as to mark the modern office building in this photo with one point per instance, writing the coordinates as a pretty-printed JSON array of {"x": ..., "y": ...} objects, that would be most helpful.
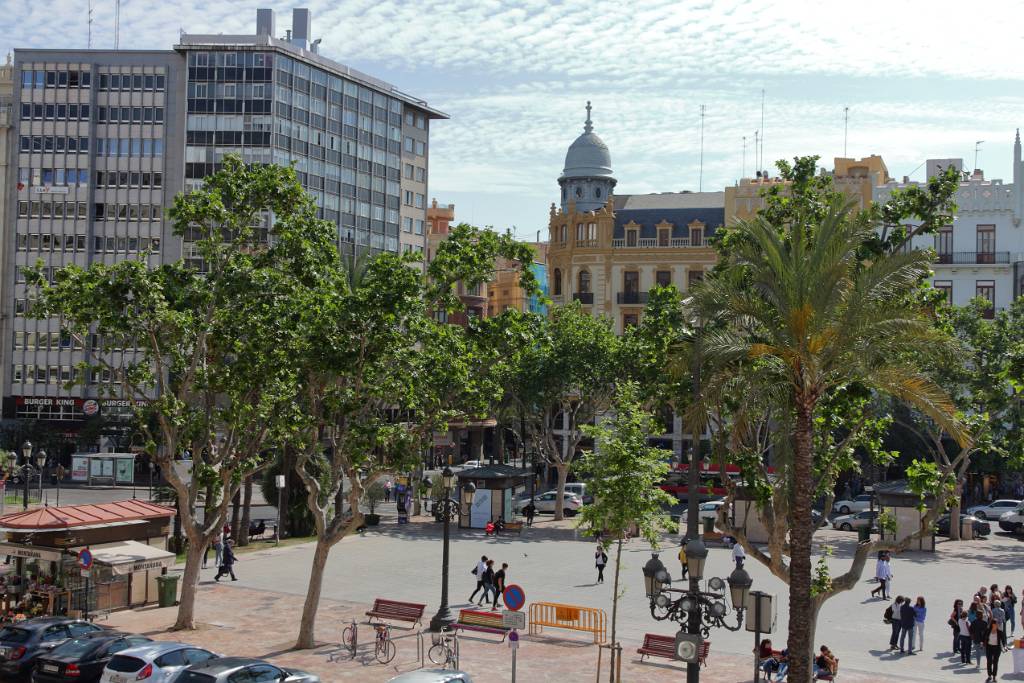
[
  {"x": 102, "y": 141},
  {"x": 982, "y": 253}
]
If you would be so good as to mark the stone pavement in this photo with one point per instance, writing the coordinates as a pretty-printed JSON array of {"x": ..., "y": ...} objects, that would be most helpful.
[{"x": 258, "y": 623}]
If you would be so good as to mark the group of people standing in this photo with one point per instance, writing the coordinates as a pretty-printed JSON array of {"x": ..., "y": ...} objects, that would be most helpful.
[
  {"x": 491, "y": 582},
  {"x": 984, "y": 625}
]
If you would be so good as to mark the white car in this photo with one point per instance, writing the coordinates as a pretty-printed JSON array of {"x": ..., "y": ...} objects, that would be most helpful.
[
  {"x": 156, "y": 662},
  {"x": 709, "y": 510},
  {"x": 471, "y": 464},
  {"x": 993, "y": 510},
  {"x": 579, "y": 489},
  {"x": 432, "y": 676},
  {"x": 866, "y": 518},
  {"x": 545, "y": 502},
  {"x": 858, "y": 504}
]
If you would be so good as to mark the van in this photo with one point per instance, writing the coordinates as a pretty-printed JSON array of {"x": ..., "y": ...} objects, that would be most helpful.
[{"x": 1012, "y": 521}]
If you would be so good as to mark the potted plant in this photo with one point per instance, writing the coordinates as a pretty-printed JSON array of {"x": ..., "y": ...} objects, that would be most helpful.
[{"x": 373, "y": 496}]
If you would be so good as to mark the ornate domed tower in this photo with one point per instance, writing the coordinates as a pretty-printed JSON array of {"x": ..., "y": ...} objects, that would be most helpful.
[{"x": 587, "y": 178}]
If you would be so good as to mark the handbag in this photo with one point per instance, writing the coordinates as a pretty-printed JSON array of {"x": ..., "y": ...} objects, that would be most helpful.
[
  {"x": 887, "y": 616},
  {"x": 951, "y": 622}
]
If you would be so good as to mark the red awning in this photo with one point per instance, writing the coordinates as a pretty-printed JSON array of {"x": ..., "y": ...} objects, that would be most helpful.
[{"x": 73, "y": 516}]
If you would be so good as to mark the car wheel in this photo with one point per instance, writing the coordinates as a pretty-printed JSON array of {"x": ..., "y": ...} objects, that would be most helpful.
[
  {"x": 845, "y": 526},
  {"x": 569, "y": 512},
  {"x": 980, "y": 515},
  {"x": 845, "y": 510}
]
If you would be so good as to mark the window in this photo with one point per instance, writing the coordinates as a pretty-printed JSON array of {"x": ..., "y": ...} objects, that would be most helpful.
[
  {"x": 986, "y": 289},
  {"x": 556, "y": 284},
  {"x": 693, "y": 277},
  {"x": 663, "y": 278},
  {"x": 583, "y": 282},
  {"x": 406, "y": 224},
  {"x": 629, "y": 320},
  {"x": 944, "y": 244},
  {"x": 664, "y": 236},
  {"x": 986, "y": 241},
  {"x": 946, "y": 287},
  {"x": 631, "y": 281},
  {"x": 696, "y": 236},
  {"x": 631, "y": 238}
]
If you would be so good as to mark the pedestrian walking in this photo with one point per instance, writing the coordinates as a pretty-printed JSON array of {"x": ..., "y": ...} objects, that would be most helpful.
[
  {"x": 954, "y": 623},
  {"x": 907, "y": 618},
  {"x": 682, "y": 560},
  {"x": 488, "y": 583},
  {"x": 499, "y": 585},
  {"x": 387, "y": 491},
  {"x": 979, "y": 630},
  {"x": 218, "y": 550},
  {"x": 530, "y": 510},
  {"x": 892, "y": 617},
  {"x": 1010, "y": 607},
  {"x": 920, "y": 611},
  {"x": 227, "y": 567},
  {"x": 993, "y": 648},
  {"x": 964, "y": 634},
  {"x": 883, "y": 572},
  {"x": 206, "y": 555},
  {"x": 478, "y": 572},
  {"x": 999, "y": 619},
  {"x": 738, "y": 555},
  {"x": 600, "y": 560}
]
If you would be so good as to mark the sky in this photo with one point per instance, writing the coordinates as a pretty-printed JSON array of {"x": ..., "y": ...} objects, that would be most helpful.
[{"x": 922, "y": 79}]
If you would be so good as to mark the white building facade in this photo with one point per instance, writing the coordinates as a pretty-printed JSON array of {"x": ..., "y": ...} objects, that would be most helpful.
[{"x": 982, "y": 253}]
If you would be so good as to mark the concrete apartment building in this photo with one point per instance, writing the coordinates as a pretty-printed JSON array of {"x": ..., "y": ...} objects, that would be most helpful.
[
  {"x": 982, "y": 253},
  {"x": 102, "y": 141}
]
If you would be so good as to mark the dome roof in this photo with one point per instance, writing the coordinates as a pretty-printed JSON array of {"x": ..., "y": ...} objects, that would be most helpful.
[{"x": 588, "y": 156}]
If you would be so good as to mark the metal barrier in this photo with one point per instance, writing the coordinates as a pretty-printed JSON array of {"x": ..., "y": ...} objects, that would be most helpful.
[{"x": 571, "y": 617}]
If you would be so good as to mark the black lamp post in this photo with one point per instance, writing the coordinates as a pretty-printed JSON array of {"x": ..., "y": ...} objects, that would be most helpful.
[
  {"x": 26, "y": 468},
  {"x": 449, "y": 508},
  {"x": 696, "y": 611}
]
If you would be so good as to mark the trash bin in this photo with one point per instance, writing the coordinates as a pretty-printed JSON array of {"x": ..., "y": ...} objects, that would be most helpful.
[
  {"x": 1018, "y": 658},
  {"x": 863, "y": 534},
  {"x": 167, "y": 590},
  {"x": 709, "y": 525}
]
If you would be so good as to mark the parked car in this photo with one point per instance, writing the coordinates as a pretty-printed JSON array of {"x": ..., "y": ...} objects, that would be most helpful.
[
  {"x": 867, "y": 518},
  {"x": 545, "y": 502},
  {"x": 237, "y": 669},
  {"x": 579, "y": 489},
  {"x": 858, "y": 504},
  {"x": 432, "y": 676},
  {"x": 980, "y": 526},
  {"x": 21, "y": 644},
  {"x": 157, "y": 662},
  {"x": 83, "y": 658},
  {"x": 709, "y": 510},
  {"x": 471, "y": 464},
  {"x": 993, "y": 510}
]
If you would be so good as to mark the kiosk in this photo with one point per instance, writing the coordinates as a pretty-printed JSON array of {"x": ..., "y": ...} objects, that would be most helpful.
[{"x": 495, "y": 488}]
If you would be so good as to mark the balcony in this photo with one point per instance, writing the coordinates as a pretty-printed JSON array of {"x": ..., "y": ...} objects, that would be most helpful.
[
  {"x": 631, "y": 297},
  {"x": 586, "y": 298},
  {"x": 652, "y": 243},
  {"x": 973, "y": 257}
]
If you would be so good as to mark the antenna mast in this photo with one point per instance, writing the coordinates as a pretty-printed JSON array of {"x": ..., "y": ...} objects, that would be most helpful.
[
  {"x": 700, "y": 180},
  {"x": 117, "y": 23},
  {"x": 89, "y": 39},
  {"x": 761, "y": 153},
  {"x": 744, "y": 171},
  {"x": 846, "y": 127},
  {"x": 977, "y": 146}
]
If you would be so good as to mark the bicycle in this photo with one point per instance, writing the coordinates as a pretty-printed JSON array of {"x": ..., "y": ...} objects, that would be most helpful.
[
  {"x": 349, "y": 640},
  {"x": 444, "y": 651},
  {"x": 384, "y": 649}
]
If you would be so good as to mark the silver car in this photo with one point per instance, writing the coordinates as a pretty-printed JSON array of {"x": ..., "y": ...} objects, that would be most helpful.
[
  {"x": 433, "y": 676},
  {"x": 157, "y": 662},
  {"x": 242, "y": 670}
]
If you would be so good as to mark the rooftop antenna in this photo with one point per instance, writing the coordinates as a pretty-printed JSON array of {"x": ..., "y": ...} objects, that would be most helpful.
[
  {"x": 846, "y": 127},
  {"x": 757, "y": 142},
  {"x": 89, "y": 39},
  {"x": 117, "y": 23},
  {"x": 700, "y": 177},
  {"x": 760, "y": 161},
  {"x": 977, "y": 146},
  {"x": 744, "y": 173}
]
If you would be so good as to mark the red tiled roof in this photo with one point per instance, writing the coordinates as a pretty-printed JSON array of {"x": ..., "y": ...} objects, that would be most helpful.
[{"x": 71, "y": 516}]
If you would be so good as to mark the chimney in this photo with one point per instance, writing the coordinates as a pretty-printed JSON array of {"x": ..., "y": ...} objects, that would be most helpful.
[
  {"x": 301, "y": 27},
  {"x": 265, "y": 22}
]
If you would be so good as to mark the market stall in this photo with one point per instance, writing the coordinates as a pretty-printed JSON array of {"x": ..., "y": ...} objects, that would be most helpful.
[{"x": 127, "y": 543}]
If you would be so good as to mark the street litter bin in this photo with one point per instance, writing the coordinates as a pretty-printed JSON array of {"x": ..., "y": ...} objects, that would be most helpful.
[
  {"x": 167, "y": 590},
  {"x": 709, "y": 525},
  {"x": 863, "y": 534},
  {"x": 1018, "y": 658}
]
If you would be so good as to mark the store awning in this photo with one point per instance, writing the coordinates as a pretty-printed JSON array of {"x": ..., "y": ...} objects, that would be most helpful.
[
  {"x": 131, "y": 556},
  {"x": 32, "y": 552}
]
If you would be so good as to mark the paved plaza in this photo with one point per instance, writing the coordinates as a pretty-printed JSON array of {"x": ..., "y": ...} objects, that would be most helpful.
[{"x": 553, "y": 564}]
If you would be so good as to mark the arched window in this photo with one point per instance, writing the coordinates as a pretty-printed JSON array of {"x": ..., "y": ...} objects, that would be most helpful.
[
  {"x": 556, "y": 284},
  {"x": 584, "y": 282}
]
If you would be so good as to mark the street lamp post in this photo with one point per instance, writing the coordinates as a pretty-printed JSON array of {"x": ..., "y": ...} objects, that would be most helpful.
[
  {"x": 26, "y": 469},
  {"x": 449, "y": 509},
  {"x": 696, "y": 611}
]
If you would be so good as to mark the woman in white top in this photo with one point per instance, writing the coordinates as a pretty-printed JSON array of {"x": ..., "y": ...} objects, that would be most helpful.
[{"x": 965, "y": 638}]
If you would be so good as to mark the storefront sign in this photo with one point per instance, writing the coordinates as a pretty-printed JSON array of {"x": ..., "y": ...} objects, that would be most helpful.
[
  {"x": 30, "y": 552},
  {"x": 49, "y": 189},
  {"x": 125, "y": 470},
  {"x": 90, "y": 407}
]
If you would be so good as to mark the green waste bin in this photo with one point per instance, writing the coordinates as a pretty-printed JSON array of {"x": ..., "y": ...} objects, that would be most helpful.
[
  {"x": 709, "y": 525},
  {"x": 167, "y": 590},
  {"x": 863, "y": 534}
]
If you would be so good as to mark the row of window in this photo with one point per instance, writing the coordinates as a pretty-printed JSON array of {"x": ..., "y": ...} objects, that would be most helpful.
[
  {"x": 69, "y": 244},
  {"x": 125, "y": 245},
  {"x": 985, "y": 240},
  {"x": 132, "y": 82},
  {"x": 129, "y": 147},
  {"x": 417, "y": 173},
  {"x": 62, "y": 374},
  {"x": 414, "y": 119},
  {"x": 417, "y": 147},
  {"x": 53, "y": 176},
  {"x": 58, "y": 341},
  {"x": 73, "y": 244},
  {"x": 630, "y": 281},
  {"x": 131, "y": 212},
  {"x": 408, "y": 225},
  {"x": 229, "y": 91},
  {"x": 53, "y": 143},
  {"x": 415, "y": 199},
  {"x": 52, "y": 209},
  {"x": 985, "y": 289},
  {"x": 55, "y": 79},
  {"x": 130, "y": 114},
  {"x": 129, "y": 179},
  {"x": 55, "y": 112}
]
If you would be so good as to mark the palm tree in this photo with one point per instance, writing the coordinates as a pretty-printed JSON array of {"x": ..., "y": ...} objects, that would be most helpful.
[{"x": 798, "y": 307}]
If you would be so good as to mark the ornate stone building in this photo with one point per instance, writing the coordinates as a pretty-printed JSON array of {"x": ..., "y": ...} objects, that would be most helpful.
[{"x": 608, "y": 250}]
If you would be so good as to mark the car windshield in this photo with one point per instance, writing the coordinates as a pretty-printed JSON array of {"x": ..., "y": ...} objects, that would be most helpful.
[
  {"x": 14, "y": 635},
  {"x": 76, "y": 648},
  {"x": 125, "y": 664}
]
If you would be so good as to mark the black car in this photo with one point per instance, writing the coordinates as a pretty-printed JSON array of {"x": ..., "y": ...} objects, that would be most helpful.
[
  {"x": 981, "y": 527},
  {"x": 83, "y": 658},
  {"x": 21, "y": 644},
  {"x": 239, "y": 669}
]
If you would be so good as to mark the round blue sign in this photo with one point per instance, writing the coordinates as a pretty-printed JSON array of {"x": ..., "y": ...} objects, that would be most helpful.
[
  {"x": 514, "y": 597},
  {"x": 84, "y": 558}
]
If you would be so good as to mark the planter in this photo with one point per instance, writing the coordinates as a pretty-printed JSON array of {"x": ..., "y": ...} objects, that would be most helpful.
[{"x": 371, "y": 519}]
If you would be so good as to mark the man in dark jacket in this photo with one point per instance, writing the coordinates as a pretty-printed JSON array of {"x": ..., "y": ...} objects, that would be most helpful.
[
  {"x": 893, "y": 614},
  {"x": 907, "y": 625},
  {"x": 227, "y": 562}
]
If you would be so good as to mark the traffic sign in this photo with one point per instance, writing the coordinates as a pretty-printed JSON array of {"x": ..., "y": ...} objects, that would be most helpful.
[
  {"x": 514, "y": 597},
  {"x": 84, "y": 558},
  {"x": 513, "y": 637},
  {"x": 513, "y": 620}
]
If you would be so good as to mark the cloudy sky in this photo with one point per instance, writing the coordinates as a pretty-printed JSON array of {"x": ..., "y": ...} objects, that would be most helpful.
[{"x": 921, "y": 79}]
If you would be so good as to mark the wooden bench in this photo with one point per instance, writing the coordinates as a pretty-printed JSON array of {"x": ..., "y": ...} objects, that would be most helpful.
[
  {"x": 665, "y": 646},
  {"x": 513, "y": 526},
  {"x": 484, "y": 622},
  {"x": 393, "y": 610}
]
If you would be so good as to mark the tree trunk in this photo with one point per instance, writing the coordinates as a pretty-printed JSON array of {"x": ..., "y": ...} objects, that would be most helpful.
[
  {"x": 563, "y": 474},
  {"x": 615, "y": 608},
  {"x": 236, "y": 510},
  {"x": 243, "y": 529},
  {"x": 307, "y": 625},
  {"x": 954, "y": 514},
  {"x": 190, "y": 585},
  {"x": 800, "y": 611},
  {"x": 499, "y": 444}
]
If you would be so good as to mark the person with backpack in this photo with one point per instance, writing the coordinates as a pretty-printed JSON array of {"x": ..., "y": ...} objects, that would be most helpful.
[
  {"x": 478, "y": 572},
  {"x": 892, "y": 617},
  {"x": 600, "y": 560}
]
